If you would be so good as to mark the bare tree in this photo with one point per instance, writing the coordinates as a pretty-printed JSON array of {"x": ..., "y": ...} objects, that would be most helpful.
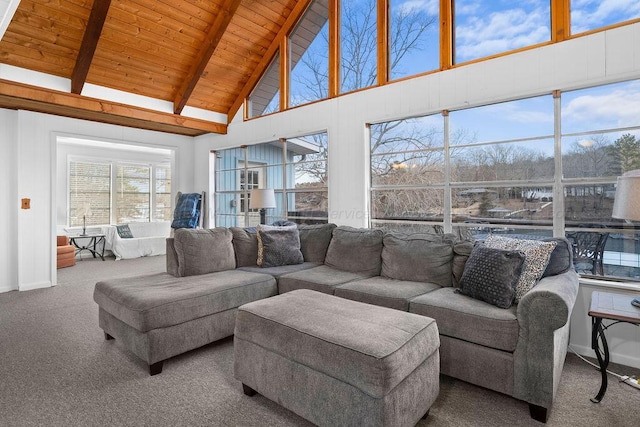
[{"x": 358, "y": 70}]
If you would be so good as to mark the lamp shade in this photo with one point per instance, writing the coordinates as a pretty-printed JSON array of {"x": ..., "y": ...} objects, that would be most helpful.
[
  {"x": 627, "y": 202},
  {"x": 262, "y": 198}
]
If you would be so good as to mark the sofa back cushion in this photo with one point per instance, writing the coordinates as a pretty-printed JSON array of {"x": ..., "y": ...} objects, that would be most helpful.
[
  {"x": 245, "y": 245},
  {"x": 357, "y": 250},
  {"x": 314, "y": 241},
  {"x": 417, "y": 257},
  {"x": 202, "y": 251}
]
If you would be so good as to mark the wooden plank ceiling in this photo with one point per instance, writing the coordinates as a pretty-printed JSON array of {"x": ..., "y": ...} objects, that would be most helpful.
[{"x": 196, "y": 53}]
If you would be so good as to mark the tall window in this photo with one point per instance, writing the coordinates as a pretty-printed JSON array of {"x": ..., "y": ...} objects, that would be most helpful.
[
  {"x": 502, "y": 165},
  {"x": 484, "y": 28},
  {"x": 408, "y": 173},
  {"x": 414, "y": 38},
  {"x": 133, "y": 193},
  {"x": 89, "y": 193},
  {"x": 309, "y": 56},
  {"x": 265, "y": 98},
  {"x": 497, "y": 173},
  {"x": 358, "y": 44},
  {"x": 600, "y": 141},
  {"x": 296, "y": 169},
  {"x": 163, "y": 207},
  {"x": 307, "y": 181}
]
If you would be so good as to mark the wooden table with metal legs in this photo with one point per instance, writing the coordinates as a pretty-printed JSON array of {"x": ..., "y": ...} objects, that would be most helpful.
[{"x": 608, "y": 306}]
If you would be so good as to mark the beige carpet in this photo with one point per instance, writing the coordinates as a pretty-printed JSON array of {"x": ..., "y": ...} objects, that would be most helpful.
[{"x": 57, "y": 370}]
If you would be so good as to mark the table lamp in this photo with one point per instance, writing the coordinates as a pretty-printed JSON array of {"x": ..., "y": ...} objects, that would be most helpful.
[
  {"x": 627, "y": 202},
  {"x": 263, "y": 199},
  {"x": 86, "y": 211}
]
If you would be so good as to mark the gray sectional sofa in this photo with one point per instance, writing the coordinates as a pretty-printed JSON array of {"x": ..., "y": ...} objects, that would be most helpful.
[{"x": 519, "y": 350}]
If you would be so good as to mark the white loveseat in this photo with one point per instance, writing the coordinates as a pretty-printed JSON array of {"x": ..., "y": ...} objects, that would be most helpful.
[{"x": 149, "y": 239}]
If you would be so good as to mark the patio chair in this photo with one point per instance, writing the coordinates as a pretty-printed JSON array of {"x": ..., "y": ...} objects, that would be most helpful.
[{"x": 588, "y": 249}]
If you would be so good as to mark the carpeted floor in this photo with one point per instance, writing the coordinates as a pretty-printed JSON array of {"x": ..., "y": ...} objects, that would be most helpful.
[{"x": 56, "y": 369}]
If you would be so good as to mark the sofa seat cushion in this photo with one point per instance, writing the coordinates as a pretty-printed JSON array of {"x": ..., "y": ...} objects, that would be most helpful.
[
  {"x": 468, "y": 319},
  {"x": 384, "y": 291},
  {"x": 161, "y": 300},
  {"x": 371, "y": 348},
  {"x": 322, "y": 279},
  {"x": 281, "y": 269}
]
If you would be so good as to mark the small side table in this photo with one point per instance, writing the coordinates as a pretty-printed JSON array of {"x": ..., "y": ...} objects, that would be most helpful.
[
  {"x": 616, "y": 307},
  {"x": 92, "y": 245}
]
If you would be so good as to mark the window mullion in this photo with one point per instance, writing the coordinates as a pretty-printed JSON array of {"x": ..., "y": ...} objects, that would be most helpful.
[
  {"x": 448, "y": 228},
  {"x": 558, "y": 188}
]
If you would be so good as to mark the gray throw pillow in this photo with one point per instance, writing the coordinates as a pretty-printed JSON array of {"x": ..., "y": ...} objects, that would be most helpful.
[
  {"x": 278, "y": 246},
  {"x": 536, "y": 254},
  {"x": 490, "y": 275},
  {"x": 417, "y": 257},
  {"x": 357, "y": 250},
  {"x": 202, "y": 251}
]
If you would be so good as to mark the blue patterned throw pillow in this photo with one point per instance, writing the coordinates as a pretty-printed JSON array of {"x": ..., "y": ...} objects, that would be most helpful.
[{"x": 490, "y": 275}]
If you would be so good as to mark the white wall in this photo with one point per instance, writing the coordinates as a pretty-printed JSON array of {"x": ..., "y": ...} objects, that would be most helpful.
[
  {"x": 29, "y": 139},
  {"x": 601, "y": 58}
]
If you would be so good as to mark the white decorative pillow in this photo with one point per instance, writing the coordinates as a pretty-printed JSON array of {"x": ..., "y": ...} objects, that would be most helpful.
[{"x": 536, "y": 253}]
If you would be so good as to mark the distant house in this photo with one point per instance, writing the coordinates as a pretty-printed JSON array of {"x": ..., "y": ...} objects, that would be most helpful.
[{"x": 543, "y": 194}]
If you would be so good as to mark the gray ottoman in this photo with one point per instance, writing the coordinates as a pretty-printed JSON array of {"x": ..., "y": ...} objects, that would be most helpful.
[
  {"x": 159, "y": 316},
  {"x": 338, "y": 362}
]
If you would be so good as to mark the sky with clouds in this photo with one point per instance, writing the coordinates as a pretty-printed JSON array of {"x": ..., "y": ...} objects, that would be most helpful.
[
  {"x": 589, "y": 14},
  {"x": 488, "y": 27},
  {"x": 484, "y": 28}
]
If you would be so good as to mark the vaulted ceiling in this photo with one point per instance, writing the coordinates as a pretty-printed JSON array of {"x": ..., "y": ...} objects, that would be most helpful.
[{"x": 198, "y": 58}]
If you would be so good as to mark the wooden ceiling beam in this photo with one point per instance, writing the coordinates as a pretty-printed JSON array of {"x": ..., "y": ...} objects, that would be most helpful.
[
  {"x": 292, "y": 20},
  {"x": 89, "y": 43},
  {"x": 214, "y": 35},
  {"x": 25, "y": 97}
]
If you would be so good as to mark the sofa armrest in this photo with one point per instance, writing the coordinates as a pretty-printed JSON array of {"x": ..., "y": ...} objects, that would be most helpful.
[
  {"x": 543, "y": 315},
  {"x": 172, "y": 258}
]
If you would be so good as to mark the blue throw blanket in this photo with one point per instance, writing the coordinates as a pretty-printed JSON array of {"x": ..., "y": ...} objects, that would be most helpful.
[{"x": 187, "y": 211}]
